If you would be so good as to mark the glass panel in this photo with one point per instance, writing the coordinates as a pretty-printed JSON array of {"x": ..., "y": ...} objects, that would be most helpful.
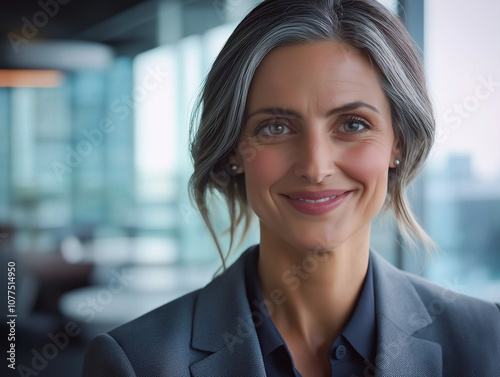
[
  {"x": 156, "y": 108},
  {"x": 463, "y": 185},
  {"x": 391, "y": 4},
  {"x": 5, "y": 155}
]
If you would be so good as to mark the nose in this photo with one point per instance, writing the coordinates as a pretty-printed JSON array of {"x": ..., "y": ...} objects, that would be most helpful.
[{"x": 315, "y": 157}]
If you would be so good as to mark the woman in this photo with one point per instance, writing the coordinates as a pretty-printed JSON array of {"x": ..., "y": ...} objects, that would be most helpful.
[{"x": 315, "y": 115}]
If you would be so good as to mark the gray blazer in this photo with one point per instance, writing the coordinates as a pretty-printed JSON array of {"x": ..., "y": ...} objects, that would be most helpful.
[{"x": 422, "y": 331}]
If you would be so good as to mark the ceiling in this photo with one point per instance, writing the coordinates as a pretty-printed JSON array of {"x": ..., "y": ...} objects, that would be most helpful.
[
  {"x": 63, "y": 19},
  {"x": 128, "y": 26}
]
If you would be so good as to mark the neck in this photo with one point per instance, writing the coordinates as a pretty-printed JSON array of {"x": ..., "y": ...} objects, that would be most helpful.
[{"x": 320, "y": 288}]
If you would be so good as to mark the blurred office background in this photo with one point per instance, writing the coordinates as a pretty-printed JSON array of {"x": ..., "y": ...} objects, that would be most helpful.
[{"x": 95, "y": 100}]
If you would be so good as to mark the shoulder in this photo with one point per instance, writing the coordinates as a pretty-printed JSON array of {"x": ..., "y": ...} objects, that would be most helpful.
[
  {"x": 446, "y": 302},
  {"x": 124, "y": 350},
  {"x": 173, "y": 317},
  {"x": 161, "y": 342},
  {"x": 438, "y": 301},
  {"x": 467, "y": 329},
  {"x": 463, "y": 325}
]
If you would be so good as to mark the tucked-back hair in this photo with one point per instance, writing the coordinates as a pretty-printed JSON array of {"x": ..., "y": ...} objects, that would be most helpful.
[{"x": 364, "y": 24}]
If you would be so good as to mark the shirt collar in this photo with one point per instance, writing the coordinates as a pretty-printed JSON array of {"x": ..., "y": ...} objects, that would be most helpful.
[
  {"x": 359, "y": 332},
  {"x": 268, "y": 334}
]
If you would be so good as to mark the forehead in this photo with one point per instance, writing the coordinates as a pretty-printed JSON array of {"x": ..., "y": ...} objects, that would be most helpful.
[{"x": 327, "y": 71}]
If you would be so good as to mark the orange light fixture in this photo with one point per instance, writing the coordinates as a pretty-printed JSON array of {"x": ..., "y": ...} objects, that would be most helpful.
[{"x": 30, "y": 78}]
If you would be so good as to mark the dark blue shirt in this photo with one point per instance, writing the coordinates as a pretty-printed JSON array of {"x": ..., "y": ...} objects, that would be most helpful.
[{"x": 351, "y": 354}]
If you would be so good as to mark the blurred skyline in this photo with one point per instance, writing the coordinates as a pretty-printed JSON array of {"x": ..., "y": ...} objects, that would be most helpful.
[{"x": 462, "y": 57}]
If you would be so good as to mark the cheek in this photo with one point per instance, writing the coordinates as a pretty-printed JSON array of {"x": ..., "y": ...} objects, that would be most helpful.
[
  {"x": 265, "y": 168},
  {"x": 368, "y": 164},
  {"x": 261, "y": 172}
]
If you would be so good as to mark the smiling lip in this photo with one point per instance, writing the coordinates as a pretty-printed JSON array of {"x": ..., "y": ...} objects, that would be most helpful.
[{"x": 316, "y": 203}]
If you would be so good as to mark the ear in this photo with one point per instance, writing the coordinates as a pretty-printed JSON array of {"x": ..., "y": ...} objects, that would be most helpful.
[
  {"x": 395, "y": 153},
  {"x": 235, "y": 159}
]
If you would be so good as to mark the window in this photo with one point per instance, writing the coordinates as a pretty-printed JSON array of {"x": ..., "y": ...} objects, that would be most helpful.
[{"x": 462, "y": 182}]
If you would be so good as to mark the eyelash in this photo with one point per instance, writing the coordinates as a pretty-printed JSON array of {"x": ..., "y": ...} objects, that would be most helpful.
[
  {"x": 351, "y": 119},
  {"x": 268, "y": 123}
]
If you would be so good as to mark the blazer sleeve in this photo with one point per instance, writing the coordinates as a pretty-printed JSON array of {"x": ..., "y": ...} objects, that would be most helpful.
[{"x": 106, "y": 358}]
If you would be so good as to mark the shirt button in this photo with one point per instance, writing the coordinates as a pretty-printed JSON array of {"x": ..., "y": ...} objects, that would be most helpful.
[{"x": 340, "y": 352}]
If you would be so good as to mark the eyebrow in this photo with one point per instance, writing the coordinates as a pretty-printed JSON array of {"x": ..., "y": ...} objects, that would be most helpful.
[{"x": 292, "y": 114}]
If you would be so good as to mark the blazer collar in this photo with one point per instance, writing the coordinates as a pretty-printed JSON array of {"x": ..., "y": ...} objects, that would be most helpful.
[
  {"x": 229, "y": 333},
  {"x": 400, "y": 314},
  {"x": 230, "y": 337}
]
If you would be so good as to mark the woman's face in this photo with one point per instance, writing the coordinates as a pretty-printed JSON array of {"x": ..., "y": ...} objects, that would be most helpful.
[{"x": 316, "y": 146}]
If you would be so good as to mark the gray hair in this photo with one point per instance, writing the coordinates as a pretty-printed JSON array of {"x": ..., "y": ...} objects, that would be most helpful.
[{"x": 368, "y": 26}]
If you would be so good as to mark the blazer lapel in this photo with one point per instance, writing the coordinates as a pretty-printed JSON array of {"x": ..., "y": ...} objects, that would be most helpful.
[
  {"x": 244, "y": 360},
  {"x": 223, "y": 327},
  {"x": 400, "y": 314}
]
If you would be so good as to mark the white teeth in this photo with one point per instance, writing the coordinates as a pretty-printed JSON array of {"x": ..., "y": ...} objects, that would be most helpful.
[{"x": 314, "y": 201}]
